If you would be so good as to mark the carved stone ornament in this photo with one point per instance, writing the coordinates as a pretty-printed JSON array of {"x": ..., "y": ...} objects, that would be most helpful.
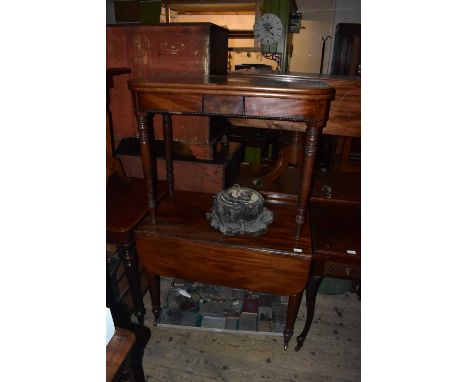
[{"x": 239, "y": 210}]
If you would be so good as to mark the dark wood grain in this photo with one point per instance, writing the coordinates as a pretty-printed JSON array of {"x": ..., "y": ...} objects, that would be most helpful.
[
  {"x": 223, "y": 104},
  {"x": 185, "y": 218},
  {"x": 167, "y": 101},
  {"x": 125, "y": 207},
  {"x": 345, "y": 110},
  {"x": 270, "y": 107},
  {"x": 274, "y": 87}
]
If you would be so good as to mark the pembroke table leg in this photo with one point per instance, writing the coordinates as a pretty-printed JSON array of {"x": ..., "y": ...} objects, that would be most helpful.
[
  {"x": 311, "y": 294},
  {"x": 149, "y": 170},
  {"x": 127, "y": 254},
  {"x": 293, "y": 307},
  {"x": 154, "y": 286}
]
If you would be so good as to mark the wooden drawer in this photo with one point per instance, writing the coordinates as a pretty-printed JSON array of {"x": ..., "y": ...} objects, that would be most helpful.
[
  {"x": 223, "y": 104},
  {"x": 160, "y": 101},
  {"x": 340, "y": 270},
  {"x": 281, "y": 108}
]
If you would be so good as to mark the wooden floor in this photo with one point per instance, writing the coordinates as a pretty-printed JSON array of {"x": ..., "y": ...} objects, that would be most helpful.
[{"x": 332, "y": 351}]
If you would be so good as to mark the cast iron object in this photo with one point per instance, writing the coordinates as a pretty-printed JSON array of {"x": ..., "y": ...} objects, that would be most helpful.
[{"x": 239, "y": 210}]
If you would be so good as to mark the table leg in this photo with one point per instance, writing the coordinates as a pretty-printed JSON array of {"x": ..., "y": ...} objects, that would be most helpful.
[
  {"x": 312, "y": 134},
  {"x": 167, "y": 132},
  {"x": 127, "y": 254},
  {"x": 149, "y": 170},
  {"x": 293, "y": 307},
  {"x": 154, "y": 287},
  {"x": 311, "y": 294}
]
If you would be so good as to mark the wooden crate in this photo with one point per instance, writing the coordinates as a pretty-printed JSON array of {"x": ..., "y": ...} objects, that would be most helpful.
[
  {"x": 198, "y": 48},
  {"x": 191, "y": 174}
]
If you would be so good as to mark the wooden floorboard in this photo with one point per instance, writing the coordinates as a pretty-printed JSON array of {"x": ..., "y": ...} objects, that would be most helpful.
[{"x": 332, "y": 351}]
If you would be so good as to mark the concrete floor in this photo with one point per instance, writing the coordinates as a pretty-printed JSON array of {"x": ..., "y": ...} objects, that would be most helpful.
[{"x": 332, "y": 351}]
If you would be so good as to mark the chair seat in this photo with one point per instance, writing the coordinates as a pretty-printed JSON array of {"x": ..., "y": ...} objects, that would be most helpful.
[{"x": 126, "y": 206}]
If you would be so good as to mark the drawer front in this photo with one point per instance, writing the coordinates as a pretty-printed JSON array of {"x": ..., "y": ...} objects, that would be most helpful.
[
  {"x": 280, "y": 108},
  {"x": 170, "y": 102},
  {"x": 223, "y": 104},
  {"x": 341, "y": 270}
]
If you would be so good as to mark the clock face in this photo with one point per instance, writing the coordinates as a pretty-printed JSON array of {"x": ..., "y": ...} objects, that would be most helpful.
[{"x": 268, "y": 29}]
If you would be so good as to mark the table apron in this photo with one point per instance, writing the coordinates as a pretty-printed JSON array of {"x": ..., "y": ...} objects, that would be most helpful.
[
  {"x": 261, "y": 107},
  {"x": 260, "y": 271}
]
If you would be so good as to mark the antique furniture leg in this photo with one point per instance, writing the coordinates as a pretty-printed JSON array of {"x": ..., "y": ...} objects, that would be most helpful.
[
  {"x": 154, "y": 282},
  {"x": 167, "y": 131},
  {"x": 312, "y": 134},
  {"x": 149, "y": 170},
  {"x": 291, "y": 153},
  {"x": 284, "y": 156},
  {"x": 311, "y": 294},
  {"x": 127, "y": 254},
  {"x": 293, "y": 307}
]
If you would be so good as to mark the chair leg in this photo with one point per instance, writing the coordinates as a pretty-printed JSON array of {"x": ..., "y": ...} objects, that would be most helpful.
[
  {"x": 127, "y": 254},
  {"x": 293, "y": 307},
  {"x": 154, "y": 286},
  {"x": 311, "y": 294}
]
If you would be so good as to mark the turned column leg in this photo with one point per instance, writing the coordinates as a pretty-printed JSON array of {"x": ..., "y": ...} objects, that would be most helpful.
[
  {"x": 154, "y": 287},
  {"x": 312, "y": 134},
  {"x": 167, "y": 131},
  {"x": 149, "y": 170},
  {"x": 311, "y": 294},
  {"x": 293, "y": 307},
  {"x": 127, "y": 255}
]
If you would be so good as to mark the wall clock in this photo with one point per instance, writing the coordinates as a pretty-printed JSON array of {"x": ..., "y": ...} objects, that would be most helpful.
[{"x": 268, "y": 29}]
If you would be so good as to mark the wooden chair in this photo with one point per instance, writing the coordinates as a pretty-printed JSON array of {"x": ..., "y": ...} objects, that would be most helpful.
[{"x": 125, "y": 206}]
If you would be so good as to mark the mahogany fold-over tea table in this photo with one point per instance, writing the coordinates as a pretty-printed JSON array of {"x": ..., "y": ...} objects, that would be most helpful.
[{"x": 176, "y": 239}]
